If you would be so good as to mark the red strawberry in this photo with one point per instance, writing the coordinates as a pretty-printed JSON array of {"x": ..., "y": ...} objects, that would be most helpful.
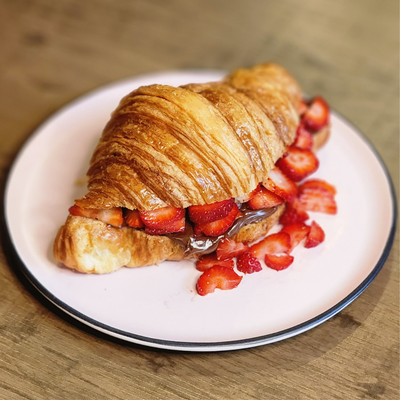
[
  {"x": 272, "y": 244},
  {"x": 220, "y": 226},
  {"x": 280, "y": 184},
  {"x": 278, "y": 263},
  {"x": 304, "y": 139},
  {"x": 302, "y": 108},
  {"x": 210, "y": 212},
  {"x": 264, "y": 199},
  {"x": 293, "y": 214},
  {"x": 161, "y": 217},
  {"x": 248, "y": 264},
  {"x": 133, "y": 219},
  {"x": 111, "y": 216},
  {"x": 297, "y": 233},
  {"x": 210, "y": 260},
  {"x": 318, "y": 200},
  {"x": 168, "y": 227},
  {"x": 298, "y": 163},
  {"x": 228, "y": 248},
  {"x": 217, "y": 277},
  {"x": 315, "y": 236},
  {"x": 317, "y": 114},
  {"x": 317, "y": 183}
]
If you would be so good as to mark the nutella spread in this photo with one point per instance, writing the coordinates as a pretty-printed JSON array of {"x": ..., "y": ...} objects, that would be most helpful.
[{"x": 198, "y": 245}]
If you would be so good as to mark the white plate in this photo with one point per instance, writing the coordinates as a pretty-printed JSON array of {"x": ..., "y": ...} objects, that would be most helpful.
[{"x": 158, "y": 306}]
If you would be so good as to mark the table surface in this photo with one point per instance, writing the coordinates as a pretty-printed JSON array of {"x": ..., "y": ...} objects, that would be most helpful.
[{"x": 54, "y": 51}]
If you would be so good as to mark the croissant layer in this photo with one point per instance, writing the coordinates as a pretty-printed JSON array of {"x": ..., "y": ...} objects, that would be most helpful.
[{"x": 194, "y": 144}]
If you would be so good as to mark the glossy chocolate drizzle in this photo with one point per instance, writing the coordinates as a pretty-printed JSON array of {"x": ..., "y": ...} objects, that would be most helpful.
[{"x": 198, "y": 245}]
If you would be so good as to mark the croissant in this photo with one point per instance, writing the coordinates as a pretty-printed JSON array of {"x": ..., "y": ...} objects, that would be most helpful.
[{"x": 195, "y": 144}]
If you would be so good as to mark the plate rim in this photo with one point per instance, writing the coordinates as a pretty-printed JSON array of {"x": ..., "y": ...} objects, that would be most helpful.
[{"x": 192, "y": 345}]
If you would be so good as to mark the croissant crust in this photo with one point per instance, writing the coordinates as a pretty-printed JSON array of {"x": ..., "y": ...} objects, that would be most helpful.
[{"x": 193, "y": 144}]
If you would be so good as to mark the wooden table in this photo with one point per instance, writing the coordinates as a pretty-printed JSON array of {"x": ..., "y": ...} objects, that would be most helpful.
[{"x": 54, "y": 51}]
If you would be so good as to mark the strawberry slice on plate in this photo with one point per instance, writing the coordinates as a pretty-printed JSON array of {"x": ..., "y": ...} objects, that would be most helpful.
[
  {"x": 297, "y": 233},
  {"x": 304, "y": 139},
  {"x": 317, "y": 114},
  {"x": 220, "y": 226},
  {"x": 318, "y": 200},
  {"x": 228, "y": 248},
  {"x": 293, "y": 214},
  {"x": 278, "y": 262},
  {"x": 111, "y": 216},
  {"x": 217, "y": 277},
  {"x": 248, "y": 264},
  {"x": 132, "y": 218},
  {"x": 298, "y": 163},
  {"x": 280, "y": 184},
  {"x": 210, "y": 212},
  {"x": 272, "y": 244},
  {"x": 264, "y": 199},
  {"x": 317, "y": 183},
  {"x": 161, "y": 217},
  {"x": 210, "y": 260},
  {"x": 315, "y": 236}
]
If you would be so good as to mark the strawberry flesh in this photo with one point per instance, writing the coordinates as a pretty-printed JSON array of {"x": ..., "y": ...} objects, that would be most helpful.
[
  {"x": 248, "y": 264},
  {"x": 315, "y": 236},
  {"x": 317, "y": 200},
  {"x": 220, "y": 226},
  {"x": 264, "y": 199},
  {"x": 298, "y": 163},
  {"x": 297, "y": 233},
  {"x": 317, "y": 183},
  {"x": 317, "y": 114},
  {"x": 217, "y": 277},
  {"x": 111, "y": 216},
  {"x": 293, "y": 214},
  {"x": 304, "y": 139},
  {"x": 228, "y": 248},
  {"x": 210, "y": 212},
  {"x": 280, "y": 184},
  {"x": 210, "y": 260},
  {"x": 278, "y": 262},
  {"x": 162, "y": 217},
  {"x": 272, "y": 244},
  {"x": 132, "y": 218}
]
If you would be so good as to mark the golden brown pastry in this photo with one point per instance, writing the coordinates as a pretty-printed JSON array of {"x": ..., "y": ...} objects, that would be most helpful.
[{"x": 191, "y": 145}]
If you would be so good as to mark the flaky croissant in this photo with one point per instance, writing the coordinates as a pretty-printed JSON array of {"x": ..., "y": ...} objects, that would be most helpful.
[{"x": 191, "y": 145}]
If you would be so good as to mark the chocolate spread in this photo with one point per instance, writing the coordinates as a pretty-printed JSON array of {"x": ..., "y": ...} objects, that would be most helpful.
[{"x": 197, "y": 245}]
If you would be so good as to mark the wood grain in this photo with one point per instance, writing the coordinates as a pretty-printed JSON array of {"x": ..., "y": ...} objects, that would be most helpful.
[{"x": 54, "y": 51}]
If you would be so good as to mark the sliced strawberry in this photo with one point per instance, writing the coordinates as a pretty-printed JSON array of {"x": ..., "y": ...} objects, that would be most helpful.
[
  {"x": 280, "y": 184},
  {"x": 111, "y": 216},
  {"x": 210, "y": 260},
  {"x": 278, "y": 262},
  {"x": 318, "y": 200},
  {"x": 228, "y": 248},
  {"x": 217, "y": 277},
  {"x": 220, "y": 226},
  {"x": 317, "y": 183},
  {"x": 248, "y": 264},
  {"x": 293, "y": 214},
  {"x": 272, "y": 244},
  {"x": 133, "y": 219},
  {"x": 264, "y": 199},
  {"x": 302, "y": 108},
  {"x": 210, "y": 212},
  {"x": 298, "y": 163},
  {"x": 168, "y": 227},
  {"x": 304, "y": 139},
  {"x": 315, "y": 236},
  {"x": 317, "y": 114},
  {"x": 297, "y": 233},
  {"x": 161, "y": 217}
]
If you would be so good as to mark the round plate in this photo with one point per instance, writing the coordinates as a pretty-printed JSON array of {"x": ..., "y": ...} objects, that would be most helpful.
[{"x": 158, "y": 305}]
